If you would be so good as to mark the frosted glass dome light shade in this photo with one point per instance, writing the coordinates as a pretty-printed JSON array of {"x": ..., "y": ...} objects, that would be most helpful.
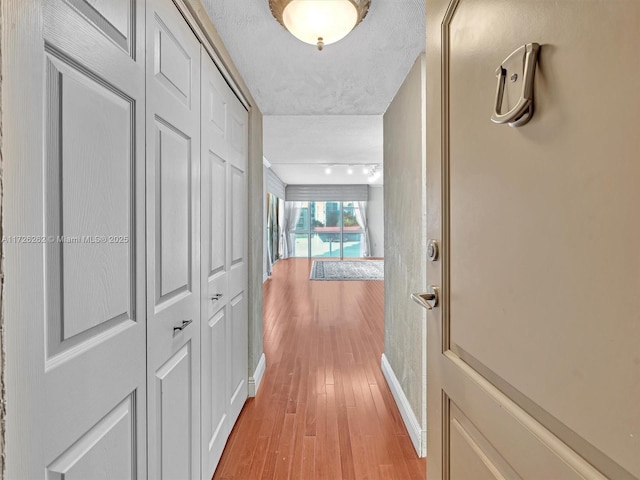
[
  {"x": 315, "y": 20},
  {"x": 319, "y": 22}
]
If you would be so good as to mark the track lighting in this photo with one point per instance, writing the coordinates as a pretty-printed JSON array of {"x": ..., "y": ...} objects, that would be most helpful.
[{"x": 374, "y": 174}]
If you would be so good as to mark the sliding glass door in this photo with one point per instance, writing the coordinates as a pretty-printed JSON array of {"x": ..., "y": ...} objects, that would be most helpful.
[
  {"x": 329, "y": 230},
  {"x": 301, "y": 232}
]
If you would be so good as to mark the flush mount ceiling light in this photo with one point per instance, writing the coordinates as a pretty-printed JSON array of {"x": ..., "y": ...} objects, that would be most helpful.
[{"x": 319, "y": 22}]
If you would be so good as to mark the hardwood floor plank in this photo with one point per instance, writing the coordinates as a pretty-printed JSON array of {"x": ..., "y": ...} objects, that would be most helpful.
[
  {"x": 259, "y": 459},
  {"x": 366, "y": 407},
  {"x": 298, "y": 442},
  {"x": 379, "y": 432},
  {"x": 331, "y": 439},
  {"x": 344, "y": 439},
  {"x": 324, "y": 410},
  {"x": 347, "y": 366},
  {"x": 292, "y": 400},
  {"x": 285, "y": 448},
  {"x": 372, "y": 461},
  {"x": 353, "y": 422},
  {"x": 308, "y": 459},
  {"x": 310, "y": 416},
  {"x": 389, "y": 473},
  {"x": 248, "y": 448},
  {"x": 322, "y": 463},
  {"x": 361, "y": 470},
  {"x": 385, "y": 413}
]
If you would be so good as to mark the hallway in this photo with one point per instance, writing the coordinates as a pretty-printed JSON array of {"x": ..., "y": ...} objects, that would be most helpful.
[{"x": 323, "y": 410}]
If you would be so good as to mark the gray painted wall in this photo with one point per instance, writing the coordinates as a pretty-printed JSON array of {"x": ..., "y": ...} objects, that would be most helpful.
[
  {"x": 375, "y": 218},
  {"x": 2, "y": 359},
  {"x": 265, "y": 259},
  {"x": 256, "y": 234},
  {"x": 404, "y": 237}
]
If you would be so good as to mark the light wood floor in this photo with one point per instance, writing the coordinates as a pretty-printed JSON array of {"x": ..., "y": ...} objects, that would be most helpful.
[{"x": 323, "y": 410}]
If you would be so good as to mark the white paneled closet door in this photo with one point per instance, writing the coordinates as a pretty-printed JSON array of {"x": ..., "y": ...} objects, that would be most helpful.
[
  {"x": 107, "y": 301},
  {"x": 173, "y": 244},
  {"x": 94, "y": 257},
  {"x": 224, "y": 267}
]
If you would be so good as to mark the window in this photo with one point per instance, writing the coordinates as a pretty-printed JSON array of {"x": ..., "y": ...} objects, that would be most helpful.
[
  {"x": 303, "y": 222},
  {"x": 328, "y": 229},
  {"x": 351, "y": 231}
]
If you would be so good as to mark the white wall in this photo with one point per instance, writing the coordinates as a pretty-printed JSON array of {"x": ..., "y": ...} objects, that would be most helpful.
[{"x": 375, "y": 216}]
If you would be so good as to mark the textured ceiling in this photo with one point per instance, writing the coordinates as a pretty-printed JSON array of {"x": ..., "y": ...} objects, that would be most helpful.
[
  {"x": 322, "y": 107},
  {"x": 299, "y": 148},
  {"x": 358, "y": 75}
]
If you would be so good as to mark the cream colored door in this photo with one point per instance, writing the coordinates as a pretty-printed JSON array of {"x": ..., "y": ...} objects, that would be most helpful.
[
  {"x": 224, "y": 267},
  {"x": 533, "y": 352},
  {"x": 173, "y": 244}
]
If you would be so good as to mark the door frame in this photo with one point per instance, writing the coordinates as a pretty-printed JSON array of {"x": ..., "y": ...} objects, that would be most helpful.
[
  {"x": 437, "y": 158},
  {"x": 22, "y": 135}
]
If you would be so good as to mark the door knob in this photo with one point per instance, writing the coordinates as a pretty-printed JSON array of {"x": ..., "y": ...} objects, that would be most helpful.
[
  {"x": 428, "y": 300},
  {"x": 216, "y": 296}
]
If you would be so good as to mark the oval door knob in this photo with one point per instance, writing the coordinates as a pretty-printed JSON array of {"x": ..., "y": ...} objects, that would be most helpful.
[
  {"x": 428, "y": 300},
  {"x": 216, "y": 296}
]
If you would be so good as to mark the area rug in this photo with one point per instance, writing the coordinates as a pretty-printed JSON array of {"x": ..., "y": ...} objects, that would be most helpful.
[{"x": 346, "y": 270}]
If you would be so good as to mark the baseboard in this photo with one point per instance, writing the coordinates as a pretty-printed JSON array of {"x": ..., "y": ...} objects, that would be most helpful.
[
  {"x": 416, "y": 433},
  {"x": 254, "y": 381}
]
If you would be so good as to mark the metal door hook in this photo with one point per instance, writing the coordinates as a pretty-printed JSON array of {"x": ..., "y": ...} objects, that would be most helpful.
[{"x": 520, "y": 66}]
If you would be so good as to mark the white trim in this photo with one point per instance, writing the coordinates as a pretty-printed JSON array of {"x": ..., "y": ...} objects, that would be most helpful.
[
  {"x": 417, "y": 435},
  {"x": 254, "y": 381},
  {"x": 274, "y": 184},
  {"x": 199, "y": 21}
]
